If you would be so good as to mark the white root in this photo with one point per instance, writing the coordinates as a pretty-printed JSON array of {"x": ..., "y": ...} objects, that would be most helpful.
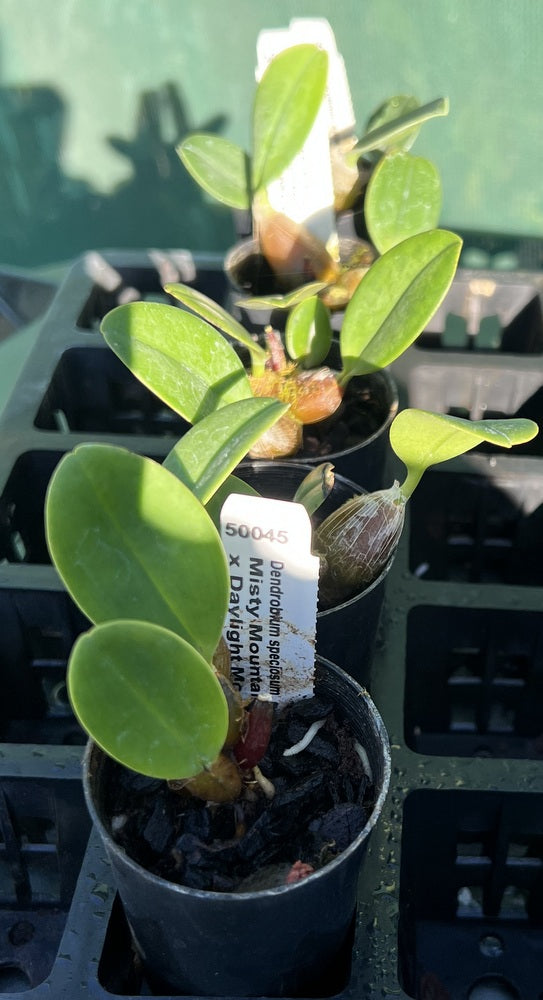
[
  {"x": 305, "y": 741},
  {"x": 365, "y": 760},
  {"x": 266, "y": 785}
]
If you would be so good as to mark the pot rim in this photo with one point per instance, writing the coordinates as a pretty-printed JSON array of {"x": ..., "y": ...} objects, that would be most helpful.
[
  {"x": 265, "y": 464},
  {"x": 393, "y": 406},
  {"x": 238, "y": 898},
  {"x": 249, "y": 245}
]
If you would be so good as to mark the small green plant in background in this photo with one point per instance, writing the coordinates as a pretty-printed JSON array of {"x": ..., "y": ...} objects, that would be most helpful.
[
  {"x": 286, "y": 104},
  {"x": 403, "y": 197},
  {"x": 403, "y": 194},
  {"x": 189, "y": 364}
]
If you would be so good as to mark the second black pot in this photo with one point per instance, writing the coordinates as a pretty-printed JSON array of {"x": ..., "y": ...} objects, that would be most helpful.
[{"x": 345, "y": 633}]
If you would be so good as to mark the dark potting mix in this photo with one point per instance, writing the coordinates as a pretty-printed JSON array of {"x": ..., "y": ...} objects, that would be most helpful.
[
  {"x": 322, "y": 799},
  {"x": 362, "y": 412}
]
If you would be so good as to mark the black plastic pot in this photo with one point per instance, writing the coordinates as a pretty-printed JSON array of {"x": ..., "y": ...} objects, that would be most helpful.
[
  {"x": 363, "y": 461},
  {"x": 249, "y": 275},
  {"x": 275, "y": 942},
  {"x": 345, "y": 633}
]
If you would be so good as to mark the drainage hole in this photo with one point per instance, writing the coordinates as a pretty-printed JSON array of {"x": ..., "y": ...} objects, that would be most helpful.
[{"x": 491, "y": 946}]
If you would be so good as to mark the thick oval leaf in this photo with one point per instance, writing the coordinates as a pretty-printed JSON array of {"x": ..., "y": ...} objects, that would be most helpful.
[
  {"x": 207, "y": 454},
  {"x": 220, "y": 167},
  {"x": 403, "y": 198},
  {"x": 130, "y": 541},
  {"x": 421, "y": 439},
  {"x": 396, "y": 125},
  {"x": 147, "y": 698},
  {"x": 215, "y": 314},
  {"x": 308, "y": 333},
  {"x": 287, "y": 101},
  {"x": 182, "y": 359},
  {"x": 396, "y": 299}
]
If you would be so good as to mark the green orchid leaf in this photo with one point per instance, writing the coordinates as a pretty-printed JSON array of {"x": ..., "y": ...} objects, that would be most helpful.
[
  {"x": 130, "y": 541},
  {"x": 396, "y": 299},
  {"x": 215, "y": 314},
  {"x": 317, "y": 485},
  {"x": 286, "y": 301},
  {"x": 182, "y": 359},
  {"x": 421, "y": 439},
  {"x": 286, "y": 104},
  {"x": 395, "y": 125},
  {"x": 147, "y": 698},
  {"x": 232, "y": 485},
  {"x": 384, "y": 122},
  {"x": 220, "y": 167},
  {"x": 208, "y": 453},
  {"x": 403, "y": 198},
  {"x": 308, "y": 333}
]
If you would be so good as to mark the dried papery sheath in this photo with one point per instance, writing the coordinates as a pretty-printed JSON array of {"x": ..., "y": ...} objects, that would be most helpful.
[
  {"x": 221, "y": 782},
  {"x": 221, "y": 658},
  {"x": 280, "y": 441},
  {"x": 356, "y": 542},
  {"x": 236, "y": 712}
]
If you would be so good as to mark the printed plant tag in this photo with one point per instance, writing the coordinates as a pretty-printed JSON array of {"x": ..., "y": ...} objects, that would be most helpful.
[
  {"x": 317, "y": 30},
  {"x": 271, "y": 621},
  {"x": 305, "y": 190}
]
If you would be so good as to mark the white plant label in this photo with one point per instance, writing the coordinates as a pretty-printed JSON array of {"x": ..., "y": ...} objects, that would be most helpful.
[
  {"x": 272, "y": 612},
  {"x": 317, "y": 30},
  {"x": 305, "y": 190}
]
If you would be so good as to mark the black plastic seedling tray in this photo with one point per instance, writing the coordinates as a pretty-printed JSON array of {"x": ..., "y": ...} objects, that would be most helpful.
[
  {"x": 24, "y": 297},
  {"x": 450, "y": 903}
]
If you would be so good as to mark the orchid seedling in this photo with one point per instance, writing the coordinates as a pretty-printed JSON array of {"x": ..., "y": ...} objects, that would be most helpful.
[
  {"x": 140, "y": 555},
  {"x": 403, "y": 193},
  {"x": 356, "y": 542},
  {"x": 403, "y": 199},
  {"x": 142, "y": 559},
  {"x": 286, "y": 103},
  {"x": 185, "y": 359}
]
